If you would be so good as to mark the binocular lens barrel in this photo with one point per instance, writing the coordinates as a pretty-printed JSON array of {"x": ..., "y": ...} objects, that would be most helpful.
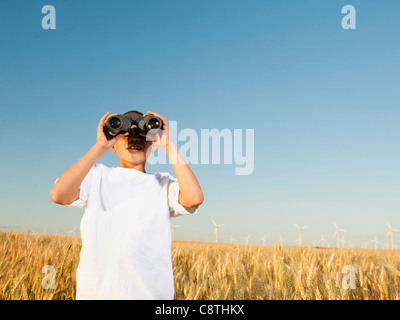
[
  {"x": 154, "y": 123},
  {"x": 114, "y": 122}
]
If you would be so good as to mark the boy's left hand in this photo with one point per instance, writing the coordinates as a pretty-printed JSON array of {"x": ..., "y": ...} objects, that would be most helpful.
[{"x": 160, "y": 140}]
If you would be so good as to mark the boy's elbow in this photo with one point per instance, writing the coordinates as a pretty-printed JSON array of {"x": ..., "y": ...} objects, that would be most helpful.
[
  {"x": 54, "y": 197},
  {"x": 192, "y": 202},
  {"x": 200, "y": 200},
  {"x": 58, "y": 199}
]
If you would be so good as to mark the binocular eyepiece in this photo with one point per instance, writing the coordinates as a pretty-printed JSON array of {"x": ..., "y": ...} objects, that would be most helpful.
[{"x": 121, "y": 123}]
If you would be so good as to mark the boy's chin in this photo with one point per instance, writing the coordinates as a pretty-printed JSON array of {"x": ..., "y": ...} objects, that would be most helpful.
[{"x": 137, "y": 159}]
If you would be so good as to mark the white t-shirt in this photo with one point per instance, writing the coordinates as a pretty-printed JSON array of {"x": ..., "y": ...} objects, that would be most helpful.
[{"x": 126, "y": 234}]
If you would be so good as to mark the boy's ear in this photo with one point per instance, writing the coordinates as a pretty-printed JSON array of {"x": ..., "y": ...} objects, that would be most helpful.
[{"x": 113, "y": 149}]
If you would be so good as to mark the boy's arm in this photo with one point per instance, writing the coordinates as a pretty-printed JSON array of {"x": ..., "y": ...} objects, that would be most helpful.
[
  {"x": 66, "y": 189},
  {"x": 190, "y": 193}
]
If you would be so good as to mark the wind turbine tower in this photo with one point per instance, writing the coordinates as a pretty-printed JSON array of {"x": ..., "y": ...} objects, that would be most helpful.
[
  {"x": 390, "y": 232},
  {"x": 173, "y": 227},
  {"x": 322, "y": 240},
  {"x": 337, "y": 234},
  {"x": 216, "y": 230},
  {"x": 375, "y": 242},
  {"x": 300, "y": 239}
]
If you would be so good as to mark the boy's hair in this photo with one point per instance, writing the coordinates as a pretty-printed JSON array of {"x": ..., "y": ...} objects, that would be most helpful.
[{"x": 131, "y": 112}]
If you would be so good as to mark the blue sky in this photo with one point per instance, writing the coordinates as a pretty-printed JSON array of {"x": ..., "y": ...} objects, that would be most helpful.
[{"x": 323, "y": 103}]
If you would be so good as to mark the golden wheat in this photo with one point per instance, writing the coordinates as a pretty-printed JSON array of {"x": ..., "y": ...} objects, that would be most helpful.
[{"x": 208, "y": 271}]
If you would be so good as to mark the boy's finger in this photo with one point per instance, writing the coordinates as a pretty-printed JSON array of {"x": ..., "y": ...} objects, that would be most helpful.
[
  {"x": 155, "y": 137},
  {"x": 150, "y": 137},
  {"x": 151, "y": 113},
  {"x": 164, "y": 121},
  {"x": 119, "y": 135},
  {"x": 102, "y": 119}
]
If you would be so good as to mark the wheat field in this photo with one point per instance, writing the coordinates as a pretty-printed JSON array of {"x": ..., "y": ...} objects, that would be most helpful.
[{"x": 208, "y": 271}]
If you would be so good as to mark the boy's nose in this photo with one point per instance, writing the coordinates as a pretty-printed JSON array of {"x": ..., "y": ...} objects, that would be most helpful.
[
  {"x": 134, "y": 131},
  {"x": 134, "y": 134}
]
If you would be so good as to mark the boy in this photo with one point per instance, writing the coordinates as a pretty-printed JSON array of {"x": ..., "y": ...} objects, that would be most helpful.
[{"x": 125, "y": 230}]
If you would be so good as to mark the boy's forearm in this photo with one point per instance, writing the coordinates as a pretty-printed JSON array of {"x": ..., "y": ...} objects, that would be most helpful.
[
  {"x": 190, "y": 193},
  {"x": 66, "y": 189}
]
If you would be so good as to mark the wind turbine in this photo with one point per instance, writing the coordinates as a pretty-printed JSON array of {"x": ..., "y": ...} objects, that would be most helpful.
[
  {"x": 263, "y": 240},
  {"x": 300, "y": 239},
  {"x": 216, "y": 230},
  {"x": 173, "y": 227},
  {"x": 247, "y": 239},
  {"x": 322, "y": 240},
  {"x": 337, "y": 233},
  {"x": 390, "y": 232},
  {"x": 281, "y": 240},
  {"x": 343, "y": 241},
  {"x": 231, "y": 239},
  {"x": 375, "y": 242}
]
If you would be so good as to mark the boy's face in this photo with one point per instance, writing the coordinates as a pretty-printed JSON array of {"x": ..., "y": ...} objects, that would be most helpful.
[{"x": 133, "y": 148}]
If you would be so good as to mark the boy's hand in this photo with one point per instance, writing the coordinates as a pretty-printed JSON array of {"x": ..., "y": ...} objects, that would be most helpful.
[
  {"x": 104, "y": 139},
  {"x": 163, "y": 140}
]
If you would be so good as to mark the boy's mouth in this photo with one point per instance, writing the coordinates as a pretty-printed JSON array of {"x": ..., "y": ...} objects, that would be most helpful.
[{"x": 135, "y": 148}]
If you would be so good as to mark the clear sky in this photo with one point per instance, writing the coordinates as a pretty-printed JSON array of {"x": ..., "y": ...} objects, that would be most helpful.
[{"x": 324, "y": 103}]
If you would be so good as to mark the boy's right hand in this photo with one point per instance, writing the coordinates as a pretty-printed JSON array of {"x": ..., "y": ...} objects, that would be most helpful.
[{"x": 104, "y": 139}]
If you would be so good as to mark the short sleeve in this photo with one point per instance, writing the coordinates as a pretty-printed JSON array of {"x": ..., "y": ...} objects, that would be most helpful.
[
  {"x": 84, "y": 190},
  {"x": 175, "y": 208}
]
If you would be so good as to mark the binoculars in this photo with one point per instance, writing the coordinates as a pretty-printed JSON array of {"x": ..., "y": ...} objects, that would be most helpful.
[{"x": 121, "y": 123}]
